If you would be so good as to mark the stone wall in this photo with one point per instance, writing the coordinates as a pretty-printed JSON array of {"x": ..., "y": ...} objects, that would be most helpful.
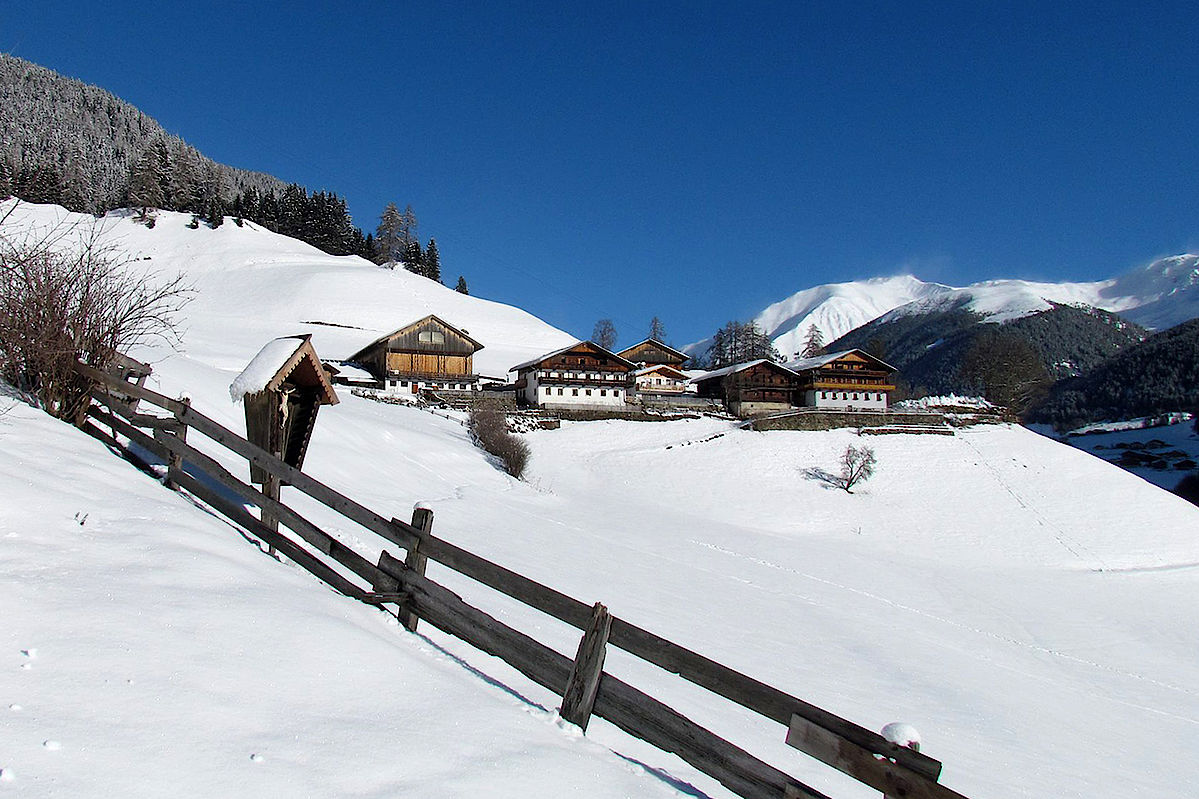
[{"x": 831, "y": 419}]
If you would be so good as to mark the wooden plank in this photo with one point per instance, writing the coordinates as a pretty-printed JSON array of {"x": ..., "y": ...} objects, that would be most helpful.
[
  {"x": 447, "y": 611},
  {"x": 416, "y": 561},
  {"x": 578, "y": 698},
  {"x": 861, "y": 764},
  {"x": 243, "y": 518},
  {"x": 650, "y": 720},
  {"x": 312, "y": 534},
  {"x": 623, "y": 705}
]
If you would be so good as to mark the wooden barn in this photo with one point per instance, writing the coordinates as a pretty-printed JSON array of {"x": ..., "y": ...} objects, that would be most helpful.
[
  {"x": 428, "y": 354},
  {"x": 583, "y": 376},
  {"x": 848, "y": 380},
  {"x": 750, "y": 389},
  {"x": 652, "y": 352}
]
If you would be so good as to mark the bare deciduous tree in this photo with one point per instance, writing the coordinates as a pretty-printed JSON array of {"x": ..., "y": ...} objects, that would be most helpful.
[
  {"x": 857, "y": 466},
  {"x": 66, "y": 296}
]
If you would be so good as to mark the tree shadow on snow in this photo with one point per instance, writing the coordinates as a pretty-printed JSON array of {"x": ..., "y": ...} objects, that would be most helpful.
[{"x": 822, "y": 476}]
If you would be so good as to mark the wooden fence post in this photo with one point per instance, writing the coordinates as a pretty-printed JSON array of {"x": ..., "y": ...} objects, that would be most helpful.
[
  {"x": 578, "y": 698},
  {"x": 422, "y": 519},
  {"x": 174, "y": 459}
]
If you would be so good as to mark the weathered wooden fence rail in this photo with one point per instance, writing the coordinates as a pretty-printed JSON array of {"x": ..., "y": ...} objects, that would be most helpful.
[{"x": 586, "y": 689}]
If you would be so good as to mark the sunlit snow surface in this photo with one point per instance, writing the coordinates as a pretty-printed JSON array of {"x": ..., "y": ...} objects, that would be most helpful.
[{"x": 1022, "y": 604}]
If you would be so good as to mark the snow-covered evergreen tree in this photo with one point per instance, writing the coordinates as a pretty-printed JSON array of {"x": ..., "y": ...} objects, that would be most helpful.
[
  {"x": 813, "y": 344},
  {"x": 461, "y": 287},
  {"x": 432, "y": 262}
]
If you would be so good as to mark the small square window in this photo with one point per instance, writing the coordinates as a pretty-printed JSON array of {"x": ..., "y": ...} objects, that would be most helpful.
[
  {"x": 589, "y": 392},
  {"x": 574, "y": 392},
  {"x": 603, "y": 392},
  {"x": 559, "y": 392}
]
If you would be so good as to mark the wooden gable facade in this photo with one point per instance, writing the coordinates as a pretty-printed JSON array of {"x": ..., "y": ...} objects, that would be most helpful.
[
  {"x": 849, "y": 379},
  {"x": 428, "y": 349},
  {"x": 651, "y": 352},
  {"x": 583, "y": 374}
]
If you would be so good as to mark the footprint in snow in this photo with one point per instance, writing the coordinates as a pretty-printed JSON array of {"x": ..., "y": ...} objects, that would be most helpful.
[
  {"x": 6, "y": 775},
  {"x": 256, "y": 758},
  {"x": 52, "y": 746},
  {"x": 15, "y": 708},
  {"x": 29, "y": 653}
]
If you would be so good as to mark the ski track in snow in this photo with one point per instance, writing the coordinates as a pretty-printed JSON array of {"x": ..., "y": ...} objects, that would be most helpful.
[{"x": 957, "y": 624}]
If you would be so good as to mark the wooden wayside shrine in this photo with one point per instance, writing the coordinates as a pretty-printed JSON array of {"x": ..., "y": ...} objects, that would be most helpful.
[{"x": 380, "y": 579}]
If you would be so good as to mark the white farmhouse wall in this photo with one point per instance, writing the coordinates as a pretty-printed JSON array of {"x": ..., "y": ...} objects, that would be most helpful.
[
  {"x": 842, "y": 400},
  {"x": 542, "y": 389}
]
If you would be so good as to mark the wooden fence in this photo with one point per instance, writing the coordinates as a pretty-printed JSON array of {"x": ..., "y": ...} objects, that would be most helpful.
[{"x": 586, "y": 690}]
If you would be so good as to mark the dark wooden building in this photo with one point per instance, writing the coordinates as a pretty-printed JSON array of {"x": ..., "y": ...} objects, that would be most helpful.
[
  {"x": 752, "y": 388},
  {"x": 652, "y": 352},
  {"x": 427, "y": 354},
  {"x": 848, "y": 380}
]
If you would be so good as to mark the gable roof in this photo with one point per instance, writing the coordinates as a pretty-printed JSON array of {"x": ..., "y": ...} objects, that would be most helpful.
[
  {"x": 568, "y": 348},
  {"x": 410, "y": 326},
  {"x": 684, "y": 356},
  {"x": 803, "y": 364},
  {"x": 278, "y": 361},
  {"x": 660, "y": 367},
  {"x": 740, "y": 367}
]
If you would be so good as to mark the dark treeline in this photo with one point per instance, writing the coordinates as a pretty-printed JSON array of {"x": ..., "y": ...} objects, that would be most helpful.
[{"x": 66, "y": 142}]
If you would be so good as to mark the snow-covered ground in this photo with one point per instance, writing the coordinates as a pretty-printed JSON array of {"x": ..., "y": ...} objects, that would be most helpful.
[
  {"x": 1161, "y": 454},
  {"x": 1022, "y": 603}
]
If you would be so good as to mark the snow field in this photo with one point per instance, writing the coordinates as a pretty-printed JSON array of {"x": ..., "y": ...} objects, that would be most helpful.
[{"x": 1019, "y": 602}]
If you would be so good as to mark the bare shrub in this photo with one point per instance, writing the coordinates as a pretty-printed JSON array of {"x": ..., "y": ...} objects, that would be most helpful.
[
  {"x": 65, "y": 296},
  {"x": 489, "y": 428},
  {"x": 857, "y": 466}
]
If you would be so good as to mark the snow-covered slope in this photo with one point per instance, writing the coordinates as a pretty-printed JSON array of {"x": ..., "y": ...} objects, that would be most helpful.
[
  {"x": 252, "y": 285},
  {"x": 1015, "y": 599},
  {"x": 1158, "y": 295}
]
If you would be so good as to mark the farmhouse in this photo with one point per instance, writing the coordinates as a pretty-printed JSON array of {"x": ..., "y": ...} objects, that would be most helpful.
[
  {"x": 751, "y": 388},
  {"x": 660, "y": 379},
  {"x": 427, "y": 354},
  {"x": 849, "y": 380},
  {"x": 584, "y": 376},
  {"x": 652, "y": 352}
]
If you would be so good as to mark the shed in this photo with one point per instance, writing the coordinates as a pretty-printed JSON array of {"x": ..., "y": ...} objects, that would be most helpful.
[{"x": 283, "y": 387}]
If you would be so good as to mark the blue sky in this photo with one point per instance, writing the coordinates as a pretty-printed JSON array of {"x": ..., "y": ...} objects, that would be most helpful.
[{"x": 690, "y": 160}]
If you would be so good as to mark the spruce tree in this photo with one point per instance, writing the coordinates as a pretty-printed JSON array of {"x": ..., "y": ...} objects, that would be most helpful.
[
  {"x": 414, "y": 258},
  {"x": 5, "y": 180},
  {"x": 389, "y": 238},
  {"x": 432, "y": 262},
  {"x": 813, "y": 344},
  {"x": 657, "y": 330},
  {"x": 461, "y": 287},
  {"x": 145, "y": 188}
]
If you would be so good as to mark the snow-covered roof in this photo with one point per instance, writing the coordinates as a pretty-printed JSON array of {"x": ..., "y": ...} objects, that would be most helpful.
[
  {"x": 350, "y": 371},
  {"x": 817, "y": 361},
  {"x": 658, "y": 367},
  {"x": 274, "y": 363},
  {"x": 568, "y": 348},
  {"x": 737, "y": 367}
]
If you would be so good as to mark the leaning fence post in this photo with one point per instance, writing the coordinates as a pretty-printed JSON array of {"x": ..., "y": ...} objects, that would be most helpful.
[
  {"x": 578, "y": 698},
  {"x": 174, "y": 459},
  {"x": 422, "y": 519},
  {"x": 903, "y": 734}
]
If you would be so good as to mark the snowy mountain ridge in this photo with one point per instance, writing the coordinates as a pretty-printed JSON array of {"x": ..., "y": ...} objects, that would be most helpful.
[{"x": 1158, "y": 295}]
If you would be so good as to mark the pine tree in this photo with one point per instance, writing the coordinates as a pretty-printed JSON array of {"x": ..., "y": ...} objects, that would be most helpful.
[
  {"x": 215, "y": 214},
  {"x": 604, "y": 334},
  {"x": 657, "y": 330},
  {"x": 390, "y": 236},
  {"x": 432, "y": 262},
  {"x": 461, "y": 287},
  {"x": 5, "y": 180},
  {"x": 145, "y": 186},
  {"x": 370, "y": 250},
  {"x": 414, "y": 258},
  {"x": 813, "y": 344}
]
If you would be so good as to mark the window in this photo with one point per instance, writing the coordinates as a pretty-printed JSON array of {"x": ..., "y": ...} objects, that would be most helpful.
[
  {"x": 559, "y": 392},
  {"x": 404, "y": 383},
  {"x": 589, "y": 392},
  {"x": 603, "y": 392},
  {"x": 431, "y": 337},
  {"x": 547, "y": 392},
  {"x": 574, "y": 392}
]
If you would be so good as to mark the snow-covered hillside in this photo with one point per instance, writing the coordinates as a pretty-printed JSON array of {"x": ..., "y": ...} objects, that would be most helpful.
[
  {"x": 1020, "y": 602},
  {"x": 1158, "y": 295}
]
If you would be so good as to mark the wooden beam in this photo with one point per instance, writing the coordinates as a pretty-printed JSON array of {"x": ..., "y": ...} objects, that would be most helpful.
[
  {"x": 416, "y": 561},
  {"x": 578, "y": 698},
  {"x": 879, "y": 773}
]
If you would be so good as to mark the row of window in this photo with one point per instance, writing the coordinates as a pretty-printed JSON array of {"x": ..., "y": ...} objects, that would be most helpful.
[
  {"x": 574, "y": 392},
  {"x": 445, "y": 386},
  {"x": 866, "y": 395},
  {"x": 582, "y": 375}
]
